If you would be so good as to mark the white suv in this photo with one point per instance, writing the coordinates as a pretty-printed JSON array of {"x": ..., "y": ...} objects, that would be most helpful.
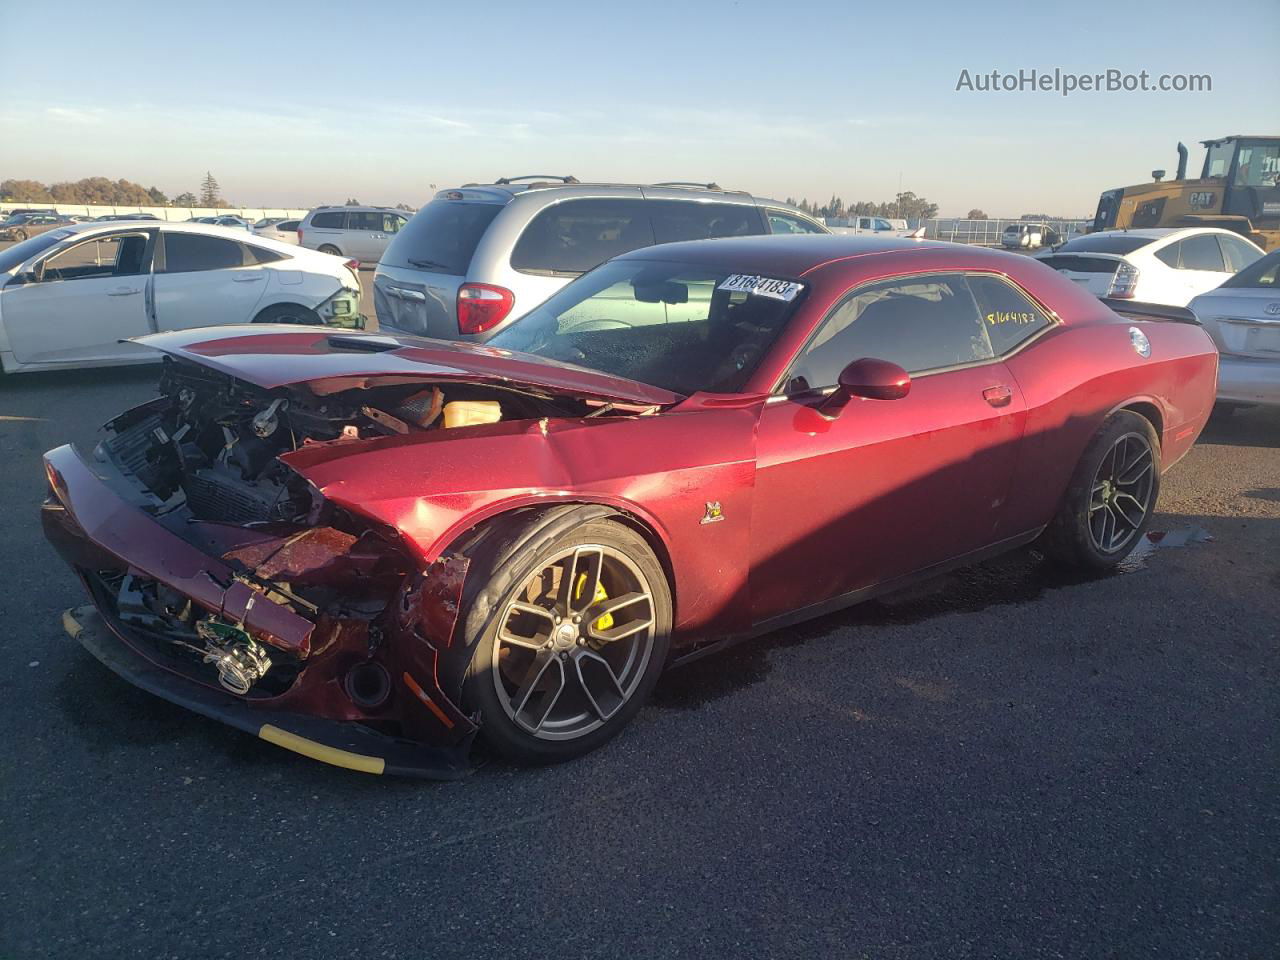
[{"x": 363, "y": 233}]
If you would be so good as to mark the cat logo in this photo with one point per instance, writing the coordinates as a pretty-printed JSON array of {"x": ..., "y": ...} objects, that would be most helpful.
[
  {"x": 713, "y": 514},
  {"x": 1201, "y": 199}
]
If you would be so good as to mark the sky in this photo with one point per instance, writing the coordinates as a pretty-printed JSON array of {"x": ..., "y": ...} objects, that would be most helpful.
[{"x": 297, "y": 104}]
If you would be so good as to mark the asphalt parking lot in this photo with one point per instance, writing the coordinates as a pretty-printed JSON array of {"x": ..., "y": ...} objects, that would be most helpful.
[{"x": 1004, "y": 763}]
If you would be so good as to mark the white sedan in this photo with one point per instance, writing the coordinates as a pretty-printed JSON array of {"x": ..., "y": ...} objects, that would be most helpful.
[
  {"x": 1166, "y": 265},
  {"x": 285, "y": 231},
  {"x": 68, "y": 297}
]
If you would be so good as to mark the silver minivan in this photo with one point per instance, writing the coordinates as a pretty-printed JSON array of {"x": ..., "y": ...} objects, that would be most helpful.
[
  {"x": 478, "y": 257},
  {"x": 363, "y": 233}
]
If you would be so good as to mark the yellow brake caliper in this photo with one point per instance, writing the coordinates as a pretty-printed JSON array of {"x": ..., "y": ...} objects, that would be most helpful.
[{"x": 601, "y": 623}]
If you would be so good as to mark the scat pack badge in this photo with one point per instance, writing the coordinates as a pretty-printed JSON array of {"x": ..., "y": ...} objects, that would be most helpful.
[{"x": 714, "y": 514}]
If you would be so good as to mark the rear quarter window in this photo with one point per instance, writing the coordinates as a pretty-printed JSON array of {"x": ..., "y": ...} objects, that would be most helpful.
[
  {"x": 573, "y": 236},
  {"x": 674, "y": 220},
  {"x": 332, "y": 220},
  {"x": 441, "y": 237}
]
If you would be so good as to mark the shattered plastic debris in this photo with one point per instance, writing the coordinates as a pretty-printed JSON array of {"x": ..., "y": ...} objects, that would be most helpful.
[{"x": 1180, "y": 537}]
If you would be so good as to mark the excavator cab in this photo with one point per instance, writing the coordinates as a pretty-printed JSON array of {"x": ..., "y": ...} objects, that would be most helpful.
[{"x": 1238, "y": 189}]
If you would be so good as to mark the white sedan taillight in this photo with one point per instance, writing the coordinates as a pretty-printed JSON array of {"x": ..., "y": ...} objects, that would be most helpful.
[{"x": 1124, "y": 282}]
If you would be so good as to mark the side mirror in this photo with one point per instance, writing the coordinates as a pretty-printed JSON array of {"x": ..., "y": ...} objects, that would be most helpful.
[{"x": 870, "y": 379}]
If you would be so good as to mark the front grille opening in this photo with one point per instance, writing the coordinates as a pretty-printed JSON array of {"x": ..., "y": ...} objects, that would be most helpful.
[{"x": 160, "y": 624}]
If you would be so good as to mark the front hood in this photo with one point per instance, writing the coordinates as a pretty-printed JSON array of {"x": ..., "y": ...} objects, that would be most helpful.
[{"x": 328, "y": 361}]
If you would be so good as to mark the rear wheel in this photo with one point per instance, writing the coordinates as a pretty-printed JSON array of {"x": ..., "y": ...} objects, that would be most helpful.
[
  {"x": 1111, "y": 498},
  {"x": 330, "y": 249},
  {"x": 580, "y": 633},
  {"x": 288, "y": 313}
]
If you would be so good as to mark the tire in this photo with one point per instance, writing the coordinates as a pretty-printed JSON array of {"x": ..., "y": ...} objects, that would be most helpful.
[
  {"x": 330, "y": 249},
  {"x": 289, "y": 313},
  {"x": 1109, "y": 487},
  {"x": 564, "y": 690},
  {"x": 19, "y": 235}
]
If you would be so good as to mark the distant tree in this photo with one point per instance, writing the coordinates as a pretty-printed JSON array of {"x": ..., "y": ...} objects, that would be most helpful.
[
  {"x": 185, "y": 200},
  {"x": 352, "y": 202},
  {"x": 157, "y": 197},
  {"x": 209, "y": 190},
  {"x": 29, "y": 190},
  {"x": 405, "y": 206},
  {"x": 976, "y": 214}
]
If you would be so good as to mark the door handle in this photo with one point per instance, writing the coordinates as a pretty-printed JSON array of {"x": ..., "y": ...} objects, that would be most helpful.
[
  {"x": 998, "y": 396},
  {"x": 123, "y": 292},
  {"x": 246, "y": 277}
]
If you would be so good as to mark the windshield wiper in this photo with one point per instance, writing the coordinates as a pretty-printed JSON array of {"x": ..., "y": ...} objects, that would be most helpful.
[{"x": 426, "y": 263}]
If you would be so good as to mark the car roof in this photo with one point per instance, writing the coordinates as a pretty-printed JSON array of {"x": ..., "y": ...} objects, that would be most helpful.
[
  {"x": 344, "y": 206},
  {"x": 499, "y": 192},
  {"x": 182, "y": 226},
  {"x": 1159, "y": 233},
  {"x": 786, "y": 255}
]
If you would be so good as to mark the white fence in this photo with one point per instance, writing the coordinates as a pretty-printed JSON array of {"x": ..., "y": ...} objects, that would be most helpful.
[
  {"x": 162, "y": 213},
  {"x": 987, "y": 232}
]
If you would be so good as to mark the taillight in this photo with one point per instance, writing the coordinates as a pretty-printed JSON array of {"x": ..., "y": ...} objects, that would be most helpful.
[
  {"x": 482, "y": 306},
  {"x": 353, "y": 264},
  {"x": 1124, "y": 282},
  {"x": 299, "y": 236}
]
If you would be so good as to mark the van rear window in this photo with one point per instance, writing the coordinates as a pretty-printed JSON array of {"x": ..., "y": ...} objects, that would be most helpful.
[{"x": 441, "y": 237}]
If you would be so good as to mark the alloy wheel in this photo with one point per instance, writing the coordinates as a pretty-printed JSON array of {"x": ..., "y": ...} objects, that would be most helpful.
[
  {"x": 573, "y": 643},
  {"x": 1121, "y": 493}
]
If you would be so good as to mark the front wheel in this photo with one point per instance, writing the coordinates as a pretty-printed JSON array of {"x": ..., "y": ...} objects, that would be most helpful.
[
  {"x": 331, "y": 250},
  {"x": 1111, "y": 498},
  {"x": 19, "y": 235},
  {"x": 580, "y": 635}
]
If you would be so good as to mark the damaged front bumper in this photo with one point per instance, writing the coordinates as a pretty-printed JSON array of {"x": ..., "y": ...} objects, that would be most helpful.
[
  {"x": 311, "y": 706},
  {"x": 341, "y": 744}
]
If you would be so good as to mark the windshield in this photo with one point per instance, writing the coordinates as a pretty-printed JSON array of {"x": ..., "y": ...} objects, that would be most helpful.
[
  {"x": 684, "y": 327},
  {"x": 19, "y": 253},
  {"x": 1105, "y": 243}
]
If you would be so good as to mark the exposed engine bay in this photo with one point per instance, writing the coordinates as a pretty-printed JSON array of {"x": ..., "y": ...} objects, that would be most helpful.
[
  {"x": 203, "y": 458},
  {"x": 209, "y": 444}
]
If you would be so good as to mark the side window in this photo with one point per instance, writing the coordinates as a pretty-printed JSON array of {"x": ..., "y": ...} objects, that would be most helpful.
[
  {"x": 1171, "y": 255},
  {"x": 781, "y": 222},
  {"x": 1237, "y": 253},
  {"x": 864, "y": 223},
  {"x": 392, "y": 222},
  {"x": 921, "y": 323},
  {"x": 364, "y": 220},
  {"x": 192, "y": 252},
  {"x": 675, "y": 220},
  {"x": 882, "y": 225},
  {"x": 1009, "y": 315},
  {"x": 330, "y": 220},
  {"x": 120, "y": 255},
  {"x": 288, "y": 225},
  {"x": 1202, "y": 253},
  {"x": 573, "y": 236}
]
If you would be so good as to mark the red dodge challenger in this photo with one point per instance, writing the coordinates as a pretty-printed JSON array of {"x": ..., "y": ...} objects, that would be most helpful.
[{"x": 372, "y": 549}]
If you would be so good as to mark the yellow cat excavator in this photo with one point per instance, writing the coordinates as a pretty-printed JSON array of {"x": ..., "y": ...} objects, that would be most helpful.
[{"x": 1238, "y": 189}]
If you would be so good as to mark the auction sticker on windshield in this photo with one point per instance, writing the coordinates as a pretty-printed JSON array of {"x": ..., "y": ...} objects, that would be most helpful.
[{"x": 761, "y": 286}]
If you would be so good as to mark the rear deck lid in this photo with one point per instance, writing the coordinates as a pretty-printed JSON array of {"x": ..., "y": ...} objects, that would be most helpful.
[
  {"x": 1244, "y": 322},
  {"x": 328, "y": 362}
]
